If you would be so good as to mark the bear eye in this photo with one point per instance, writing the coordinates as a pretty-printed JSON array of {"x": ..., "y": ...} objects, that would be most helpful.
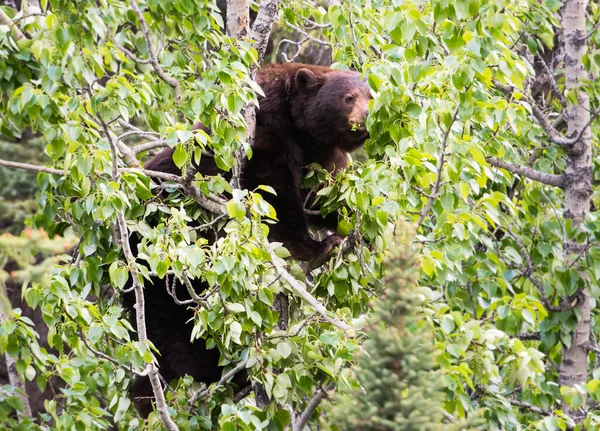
[{"x": 349, "y": 99}]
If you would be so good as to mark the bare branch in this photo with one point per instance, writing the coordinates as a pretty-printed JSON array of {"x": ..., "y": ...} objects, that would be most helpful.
[
  {"x": 548, "y": 179},
  {"x": 314, "y": 402},
  {"x": 297, "y": 287},
  {"x": 151, "y": 53},
  {"x": 438, "y": 176},
  {"x": 30, "y": 167}
]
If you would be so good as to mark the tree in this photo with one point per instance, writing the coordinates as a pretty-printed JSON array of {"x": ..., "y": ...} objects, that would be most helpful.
[
  {"x": 400, "y": 388},
  {"x": 482, "y": 125}
]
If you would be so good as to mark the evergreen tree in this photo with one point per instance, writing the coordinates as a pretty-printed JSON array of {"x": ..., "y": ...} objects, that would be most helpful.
[{"x": 400, "y": 388}]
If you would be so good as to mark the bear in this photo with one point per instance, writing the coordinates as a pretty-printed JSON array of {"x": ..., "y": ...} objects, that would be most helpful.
[{"x": 308, "y": 114}]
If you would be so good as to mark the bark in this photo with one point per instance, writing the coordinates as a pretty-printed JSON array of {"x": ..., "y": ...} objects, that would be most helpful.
[
  {"x": 238, "y": 18},
  {"x": 578, "y": 175}
]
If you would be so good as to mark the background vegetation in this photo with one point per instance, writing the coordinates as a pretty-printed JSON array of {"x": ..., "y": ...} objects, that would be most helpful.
[{"x": 483, "y": 135}]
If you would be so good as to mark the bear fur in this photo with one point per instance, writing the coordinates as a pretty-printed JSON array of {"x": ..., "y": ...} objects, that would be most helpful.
[{"x": 309, "y": 114}]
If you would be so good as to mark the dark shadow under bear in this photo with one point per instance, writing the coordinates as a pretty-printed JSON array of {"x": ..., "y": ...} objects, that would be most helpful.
[{"x": 309, "y": 114}]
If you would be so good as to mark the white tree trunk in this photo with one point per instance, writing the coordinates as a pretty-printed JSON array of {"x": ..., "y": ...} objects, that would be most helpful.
[{"x": 578, "y": 188}]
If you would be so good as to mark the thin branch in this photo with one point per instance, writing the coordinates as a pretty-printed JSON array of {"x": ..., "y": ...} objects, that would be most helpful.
[
  {"x": 201, "y": 393},
  {"x": 110, "y": 358},
  {"x": 150, "y": 135},
  {"x": 294, "y": 334},
  {"x": 553, "y": 134},
  {"x": 297, "y": 287},
  {"x": 438, "y": 176},
  {"x": 151, "y": 53},
  {"x": 30, "y": 167},
  {"x": 159, "y": 396},
  {"x": 553, "y": 82},
  {"x": 129, "y": 53},
  {"x": 209, "y": 224},
  {"x": 304, "y": 33},
  {"x": 147, "y": 146},
  {"x": 527, "y": 271},
  {"x": 529, "y": 336},
  {"x": 211, "y": 203},
  {"x": 530, "y": 407},
  {"x": 312, "y": 405},
  {"x": 591, "y": 33},
  {"x": 548, "y": 179}
]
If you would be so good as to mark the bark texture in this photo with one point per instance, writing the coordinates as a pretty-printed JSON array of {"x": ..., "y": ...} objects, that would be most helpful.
[{"x": 578, "y": 176}]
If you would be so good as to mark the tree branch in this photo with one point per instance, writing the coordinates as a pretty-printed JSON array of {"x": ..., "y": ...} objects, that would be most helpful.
[
  {"x": 30, "y": 167},
  {"x": 151, "y": 53},
  {"x": 297, "y": 287},
  {"x": 201, "y": 393},
  {"x": 548, "y": 179},
  {"x": 438, "y": 176},
  {"x": 530, "y": 407},
  {"x": 159, "y": 396},
  {"x": 314, "y": 402},
  {"x": 591, "y": 33},
  {"x": 553, "y": 134}
]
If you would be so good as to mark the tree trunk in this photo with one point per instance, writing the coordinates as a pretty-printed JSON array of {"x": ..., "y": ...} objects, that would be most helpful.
[{"x": 578, "y": 189}]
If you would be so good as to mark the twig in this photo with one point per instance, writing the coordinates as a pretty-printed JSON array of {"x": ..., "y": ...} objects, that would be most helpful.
[
  {"x": 438, "y": 177},
  {"x": 209, "y": 224},
  {"x": 304, "y": 33},
  {"x": 295, "y": 334},
  {"x": 201, "y": 393},
  {"x": 297, "y": 287},
  {"x": 153, "y": 60},
  {"x": 314, "y": 402}
]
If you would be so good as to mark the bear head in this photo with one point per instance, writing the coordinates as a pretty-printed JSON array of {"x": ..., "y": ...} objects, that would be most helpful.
[{"x": 331, "y": 108}]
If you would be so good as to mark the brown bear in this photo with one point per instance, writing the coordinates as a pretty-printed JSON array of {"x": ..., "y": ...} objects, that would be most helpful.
[{"x": 309, "y": 114}]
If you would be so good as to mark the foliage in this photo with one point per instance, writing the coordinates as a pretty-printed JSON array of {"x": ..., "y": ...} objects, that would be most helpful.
[
  {"x": 400, "y": 388},
  {"x": 436, "y": 116}
]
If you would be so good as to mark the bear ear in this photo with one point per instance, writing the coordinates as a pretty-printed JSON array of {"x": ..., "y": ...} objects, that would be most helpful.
[{"x": 307, "y": 80}]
